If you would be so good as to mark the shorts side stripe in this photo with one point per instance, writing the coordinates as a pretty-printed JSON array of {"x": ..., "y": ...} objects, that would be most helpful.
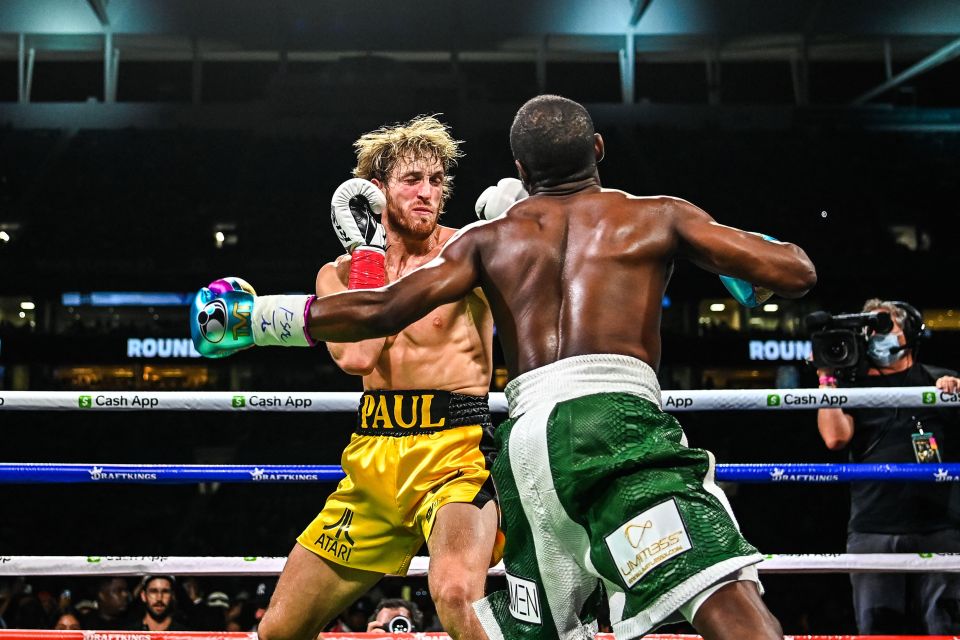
[
  {"x": 487, "y": 620},
  {"x": 566, "y": 584}
]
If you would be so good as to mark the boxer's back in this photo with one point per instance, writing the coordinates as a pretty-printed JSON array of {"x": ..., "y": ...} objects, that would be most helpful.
[{"x": 578, "y": 274}]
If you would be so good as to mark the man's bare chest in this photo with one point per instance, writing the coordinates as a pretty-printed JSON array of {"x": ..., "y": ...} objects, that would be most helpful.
[{"x": 444, "y": 325}]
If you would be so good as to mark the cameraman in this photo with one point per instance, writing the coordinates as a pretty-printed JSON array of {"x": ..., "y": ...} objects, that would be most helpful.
[
  {"x": 900, "y": 517},
  {"x": 395, "y": 615}
]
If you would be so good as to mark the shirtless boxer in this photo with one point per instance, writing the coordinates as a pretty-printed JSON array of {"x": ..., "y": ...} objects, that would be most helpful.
[
  {"x": 599, "y": 492},
  {"x": 415, "y": 466}
]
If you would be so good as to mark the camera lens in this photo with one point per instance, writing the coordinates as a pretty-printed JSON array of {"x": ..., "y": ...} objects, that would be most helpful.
[
  {"x": 399, "y": 624},
  {"x": 839, "y": 351}
]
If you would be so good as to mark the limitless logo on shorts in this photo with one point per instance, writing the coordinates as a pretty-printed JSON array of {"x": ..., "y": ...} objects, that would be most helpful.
[
  {"x": 648, "y": 540},
  {"x": 381, "y": 410},
  {"x": 524, "y": 600},
  {"x": 634, "y": 533},
  {"x": 332, "y": 544}
]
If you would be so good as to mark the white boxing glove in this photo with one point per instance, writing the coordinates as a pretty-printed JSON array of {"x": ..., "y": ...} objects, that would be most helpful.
[
  {"x": 494, "y": 201},
  {"x": 355, "y": 210}
]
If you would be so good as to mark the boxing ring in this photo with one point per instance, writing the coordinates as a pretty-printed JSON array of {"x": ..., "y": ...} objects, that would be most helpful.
[
  {"x": 13, "y": 634},
  {"x": 99, "y": 472}
]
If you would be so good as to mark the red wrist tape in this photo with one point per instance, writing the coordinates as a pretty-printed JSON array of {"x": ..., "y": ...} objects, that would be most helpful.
[{"x": 367, "y": 268}]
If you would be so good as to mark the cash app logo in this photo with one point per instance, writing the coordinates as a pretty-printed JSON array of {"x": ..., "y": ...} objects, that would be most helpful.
[
  {"x": 239, "y": 402},
  {"x": 773, "y": 400},
  {"x": 85, "y": 402},
  {"x": 929, "y": 397}
]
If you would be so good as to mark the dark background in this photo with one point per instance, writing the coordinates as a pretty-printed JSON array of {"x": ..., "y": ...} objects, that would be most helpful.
[{"x": 123, "y": 193}]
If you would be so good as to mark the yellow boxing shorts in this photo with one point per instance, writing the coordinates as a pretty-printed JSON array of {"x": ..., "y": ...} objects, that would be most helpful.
[{"x": 411, "y": 453}]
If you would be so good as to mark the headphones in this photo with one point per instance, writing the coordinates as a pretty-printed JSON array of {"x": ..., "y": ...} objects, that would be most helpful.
[{"x": 912, "y": 325}]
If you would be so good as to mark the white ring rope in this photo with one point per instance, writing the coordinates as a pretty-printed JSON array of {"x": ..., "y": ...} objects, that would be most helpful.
[
  {"x": 701, "y": 400},
  {"x": 346, "y": 401},
  {"x": 266, "y": 566}
]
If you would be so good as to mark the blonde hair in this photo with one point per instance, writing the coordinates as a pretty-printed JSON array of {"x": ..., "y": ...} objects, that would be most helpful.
[{"x": 422, "y": 138}]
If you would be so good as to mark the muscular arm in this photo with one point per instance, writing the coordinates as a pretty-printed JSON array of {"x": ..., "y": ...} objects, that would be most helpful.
[
  {"x": 836, "y": 428},
  {"x": 351, "y": 316},
  {"x": 355, "y": 358},
  {"x": 782, "y": 267}
]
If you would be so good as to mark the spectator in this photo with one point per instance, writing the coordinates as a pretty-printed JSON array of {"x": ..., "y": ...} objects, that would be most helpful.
[
  {"x": 202, "y": 612},
  {"x": 160, "y": 604},
  {"x": 395, "y": 615},
  {"x": 193, "y": 592},
  {"x": 214, "y": 612},
  {"x": 68, "y": 621},
  {"x": 242, "y": 616},
  {"x": 30, "y": 613},
  {"x": 112, "y": 605},
  {"x": 65, "y": 602},
  {"x": 85, "y": 609},
  {"x": 888, "y": 517},
  {"x": 49, "y": 606}
]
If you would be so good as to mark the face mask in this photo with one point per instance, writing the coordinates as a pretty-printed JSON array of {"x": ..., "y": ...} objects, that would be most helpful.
[{"x": 879, "y": 349}]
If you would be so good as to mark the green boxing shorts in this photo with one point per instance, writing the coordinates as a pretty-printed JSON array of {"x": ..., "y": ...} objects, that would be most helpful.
[{"x": 602, "y": 497}]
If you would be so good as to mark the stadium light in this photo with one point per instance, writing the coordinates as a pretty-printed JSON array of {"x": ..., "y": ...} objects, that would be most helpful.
[{"x": 225, "y": 234}]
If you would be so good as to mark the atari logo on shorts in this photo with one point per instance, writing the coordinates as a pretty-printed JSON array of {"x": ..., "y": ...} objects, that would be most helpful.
[
  {"x": 332, "y": 543},
  {"x": 648, "y": 540}
]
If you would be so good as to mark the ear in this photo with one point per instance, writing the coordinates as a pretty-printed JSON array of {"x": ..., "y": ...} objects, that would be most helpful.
[
  {"x": 524, "y": 176},
  {"x": 378, "y": 184},
  {"x": 598, "y": 148}
]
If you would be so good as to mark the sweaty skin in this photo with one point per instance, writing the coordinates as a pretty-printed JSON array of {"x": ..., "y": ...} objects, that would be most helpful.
[
  {"x": 573, "y": 269},
  {"x": 448, "y": 349}
]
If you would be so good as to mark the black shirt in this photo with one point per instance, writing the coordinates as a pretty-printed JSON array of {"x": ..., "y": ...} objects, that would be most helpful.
[
  {"x": 884, "y": 435},
  {"x": 140, "y": 625}
]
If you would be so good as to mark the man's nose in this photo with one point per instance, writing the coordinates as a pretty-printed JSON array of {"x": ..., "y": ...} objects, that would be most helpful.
[{"x": 425, "y": 189}]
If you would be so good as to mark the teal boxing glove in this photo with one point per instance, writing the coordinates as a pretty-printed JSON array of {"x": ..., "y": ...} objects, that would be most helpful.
[
  {"x": 747, "y": 294},
  {"x": 228, "y": 316}
]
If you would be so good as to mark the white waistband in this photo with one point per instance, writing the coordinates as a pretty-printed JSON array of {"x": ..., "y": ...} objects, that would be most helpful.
[{"x": 582, "y": 376}]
